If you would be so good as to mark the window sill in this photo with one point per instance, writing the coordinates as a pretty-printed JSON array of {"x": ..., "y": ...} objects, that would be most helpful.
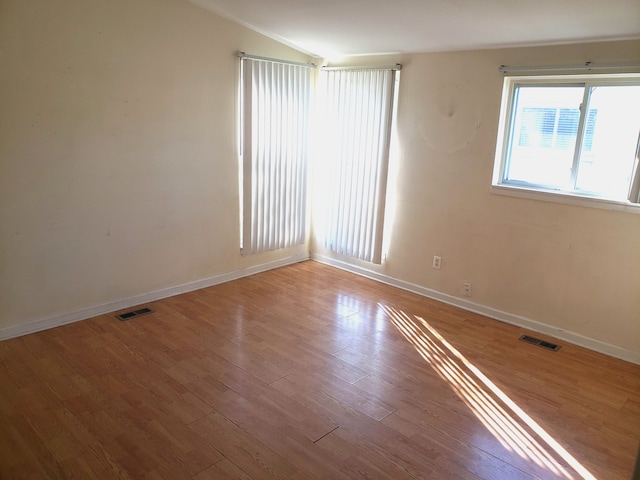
[{"x": 566, "y": 198}]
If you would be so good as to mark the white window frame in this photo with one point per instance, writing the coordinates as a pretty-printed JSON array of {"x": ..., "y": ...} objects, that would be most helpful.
[{"x": 500, "y": 185}]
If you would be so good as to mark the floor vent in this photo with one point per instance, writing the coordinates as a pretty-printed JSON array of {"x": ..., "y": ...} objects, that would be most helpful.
[
  {"x": 133, "y": 314},
  {"x": 540, "y": 343}
]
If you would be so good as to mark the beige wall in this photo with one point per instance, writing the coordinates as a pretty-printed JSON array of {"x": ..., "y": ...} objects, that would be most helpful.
[
  {"x": 118, "y": 160},
  {"x": 118, "y": 172},
  {"x": 569, "y": 267}
]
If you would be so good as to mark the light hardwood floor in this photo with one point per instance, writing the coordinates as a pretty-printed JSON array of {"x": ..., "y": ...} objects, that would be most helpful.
[{"x": 310, "y": 372}]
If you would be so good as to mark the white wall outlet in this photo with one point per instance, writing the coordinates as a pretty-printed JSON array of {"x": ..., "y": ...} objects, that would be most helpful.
[
  {"x": 436, "y": 262},
  {"x": 467, "y": 289}
]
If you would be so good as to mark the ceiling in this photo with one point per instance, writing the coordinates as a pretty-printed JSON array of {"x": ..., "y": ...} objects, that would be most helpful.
[{"x": 328, "y": 28}]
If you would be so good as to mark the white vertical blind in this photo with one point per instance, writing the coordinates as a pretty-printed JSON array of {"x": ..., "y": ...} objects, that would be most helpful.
[
  {"x": 275, "y": 118},
  {"x": 357, "y": 129}
]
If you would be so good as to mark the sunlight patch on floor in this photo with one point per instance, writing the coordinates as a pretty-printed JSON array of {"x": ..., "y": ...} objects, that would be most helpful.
[{"x": 506, "y": 421}]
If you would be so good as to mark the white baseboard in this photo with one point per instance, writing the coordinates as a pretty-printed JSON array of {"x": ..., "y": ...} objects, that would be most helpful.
[
  {"x": 571, "y": 337},
  {"x": 83, "y": 314}
]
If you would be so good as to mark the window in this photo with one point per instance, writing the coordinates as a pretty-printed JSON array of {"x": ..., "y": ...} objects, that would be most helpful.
[
  {"x": 358, "y": 109},
  {"x": 274, "y": 101},
  {"x": 576, "y": 135}
]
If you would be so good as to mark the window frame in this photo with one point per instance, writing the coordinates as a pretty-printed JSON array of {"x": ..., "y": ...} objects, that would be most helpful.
[{"x": 502, "y": 185}]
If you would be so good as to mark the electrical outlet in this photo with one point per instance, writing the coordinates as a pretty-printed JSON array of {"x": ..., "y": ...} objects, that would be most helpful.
[
  {"x": 467, "y": 289},
  {"x": 436, "y": 262}
]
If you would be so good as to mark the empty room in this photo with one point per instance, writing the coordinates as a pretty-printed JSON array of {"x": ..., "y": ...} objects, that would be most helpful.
[{"x": 250, "y": 239}]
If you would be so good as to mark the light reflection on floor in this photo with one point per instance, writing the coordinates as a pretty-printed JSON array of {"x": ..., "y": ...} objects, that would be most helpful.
[
  {"x": 506, "y": 421},
  {"x": 359, "y": 320},
  {"x": 357, "y": 316}
]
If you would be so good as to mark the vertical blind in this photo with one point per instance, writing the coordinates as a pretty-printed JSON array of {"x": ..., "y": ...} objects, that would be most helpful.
[
  {"x": 274, "y": 132},
  {"x": 358, "y": 112}
]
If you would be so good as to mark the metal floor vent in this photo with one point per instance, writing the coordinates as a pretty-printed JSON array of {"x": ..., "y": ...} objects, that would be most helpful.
[
  {"x": 540, "y": 343},
  {"x": 133, "y": 313}
]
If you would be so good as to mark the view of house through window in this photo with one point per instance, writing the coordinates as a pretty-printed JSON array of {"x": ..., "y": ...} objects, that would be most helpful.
[{"x": 577, "y": 138}]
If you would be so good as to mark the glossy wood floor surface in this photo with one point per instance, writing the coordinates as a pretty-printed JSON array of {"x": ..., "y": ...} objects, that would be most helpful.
[{"x": 309, "y": 372}]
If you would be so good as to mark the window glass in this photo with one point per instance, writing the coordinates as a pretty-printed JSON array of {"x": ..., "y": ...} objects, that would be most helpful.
[
  {"x": 577, "y": 135},
  {"x": 545, "y": 122},
  {"x": 611, "y": 136}
]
